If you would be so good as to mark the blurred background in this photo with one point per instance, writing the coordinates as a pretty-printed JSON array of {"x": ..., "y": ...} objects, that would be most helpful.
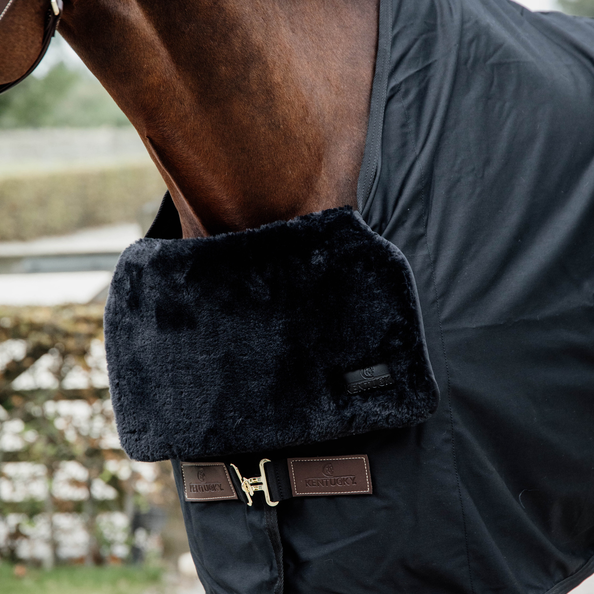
[{"x": 77, "y": 187}]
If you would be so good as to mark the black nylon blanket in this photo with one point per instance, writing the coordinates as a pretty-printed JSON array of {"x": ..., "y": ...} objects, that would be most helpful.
[{"x": 479, "y": 166}]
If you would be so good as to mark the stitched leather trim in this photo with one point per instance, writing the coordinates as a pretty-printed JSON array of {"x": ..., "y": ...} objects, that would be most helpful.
[
  {"x": 207, "y": 481},
  {"x": 333, "y": 475}
]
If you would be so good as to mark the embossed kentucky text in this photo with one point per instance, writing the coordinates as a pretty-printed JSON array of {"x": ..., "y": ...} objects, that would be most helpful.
[
  {"x": 335, "y": 481},
  {"x": 206, "y": 488}
]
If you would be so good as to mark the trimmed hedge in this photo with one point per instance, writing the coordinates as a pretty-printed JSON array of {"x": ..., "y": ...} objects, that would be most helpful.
[
  {"x": 60, "y": 202},
  {"x": 70, "y": 335}
]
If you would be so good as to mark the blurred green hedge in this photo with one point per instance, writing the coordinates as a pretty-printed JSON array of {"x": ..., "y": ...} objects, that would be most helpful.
[
  {"x": 72, "y": 336},
  {"x": 63, "y": 97},
  {"x": 578, "y": 7},
  {"x": 59, "y": 202}
]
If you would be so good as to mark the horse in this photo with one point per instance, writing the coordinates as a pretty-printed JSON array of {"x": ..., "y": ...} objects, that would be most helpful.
[
  {"x": 461, "y": 132},
  {"x": 251, "y": 111}
]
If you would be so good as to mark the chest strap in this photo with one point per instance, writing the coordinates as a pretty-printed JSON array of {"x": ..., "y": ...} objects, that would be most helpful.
[{"x": 280, "y": 479}]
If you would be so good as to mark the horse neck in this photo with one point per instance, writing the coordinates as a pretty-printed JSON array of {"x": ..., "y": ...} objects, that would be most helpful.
[{"x": 253, "y": 110}]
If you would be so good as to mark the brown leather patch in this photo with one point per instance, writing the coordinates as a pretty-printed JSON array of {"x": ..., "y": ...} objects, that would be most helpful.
[
  {"x": 207, "y": 481},
  {"x": 330, "y": 475}
]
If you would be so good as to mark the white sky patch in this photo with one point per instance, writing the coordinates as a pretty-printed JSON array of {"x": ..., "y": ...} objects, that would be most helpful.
[{"x": 542, "y": 5}]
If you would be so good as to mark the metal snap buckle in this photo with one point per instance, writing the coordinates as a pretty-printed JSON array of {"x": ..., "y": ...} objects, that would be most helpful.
[
  {"x": 250, "y": 485},
  {"x": 56, "y": 7}
]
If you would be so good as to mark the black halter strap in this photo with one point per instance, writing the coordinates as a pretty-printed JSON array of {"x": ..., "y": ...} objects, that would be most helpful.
[{"x": 52, "y": 20}]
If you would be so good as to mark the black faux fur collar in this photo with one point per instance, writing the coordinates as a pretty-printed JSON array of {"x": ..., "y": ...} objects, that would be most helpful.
[{"x": 240, "y": 342}]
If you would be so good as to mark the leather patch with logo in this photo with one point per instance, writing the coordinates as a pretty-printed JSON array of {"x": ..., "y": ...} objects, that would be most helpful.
[
  {"x": 369, "y": 378},
  {"x": 330, "y": 475},
  {"x": 207, "y": 481}
]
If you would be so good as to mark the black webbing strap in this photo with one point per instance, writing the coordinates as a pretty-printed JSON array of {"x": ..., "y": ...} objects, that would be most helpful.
[
  {"x": 277, "y": 480},
  {"x": 283, "y": 478},
  {"x": 279, "y": 483}
]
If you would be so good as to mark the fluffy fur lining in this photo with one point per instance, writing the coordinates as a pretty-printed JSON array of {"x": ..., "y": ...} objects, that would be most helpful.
[{"x": 240, "y": 342}]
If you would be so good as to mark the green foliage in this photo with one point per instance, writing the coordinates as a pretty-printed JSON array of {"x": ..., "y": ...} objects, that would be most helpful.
[
  {"x": 63, "y": 97},
  {"x": 87, "y": 104},
  {"x": 74, "y": 580},
  {"x": 67, "y": 333},
  {"x": 31, "y": 103},
  {"x": 70, "y": 329},
  {"x": 61, "y": 202},
  {"x": 578, "y": 7}
]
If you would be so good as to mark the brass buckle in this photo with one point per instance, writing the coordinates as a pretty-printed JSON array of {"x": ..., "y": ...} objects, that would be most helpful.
[{"x": 250, "y": 485}]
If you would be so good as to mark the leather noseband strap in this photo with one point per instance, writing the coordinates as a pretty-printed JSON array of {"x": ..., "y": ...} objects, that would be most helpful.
[{"x": 52, "y": 20}]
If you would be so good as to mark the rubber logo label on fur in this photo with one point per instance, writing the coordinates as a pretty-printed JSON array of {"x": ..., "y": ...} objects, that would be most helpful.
[
  {"x": 340, "y": 475},
  {"x": 207, "y": 481},
  {"x": 369, "y": 378}
]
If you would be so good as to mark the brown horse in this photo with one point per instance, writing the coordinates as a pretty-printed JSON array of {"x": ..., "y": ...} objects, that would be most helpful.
[
  {"x": 253, "y": 110},
  {"x": 256, "y": 110}
]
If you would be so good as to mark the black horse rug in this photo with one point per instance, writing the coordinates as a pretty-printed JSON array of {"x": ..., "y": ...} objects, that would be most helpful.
[{"x": 479, "y": 166}]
